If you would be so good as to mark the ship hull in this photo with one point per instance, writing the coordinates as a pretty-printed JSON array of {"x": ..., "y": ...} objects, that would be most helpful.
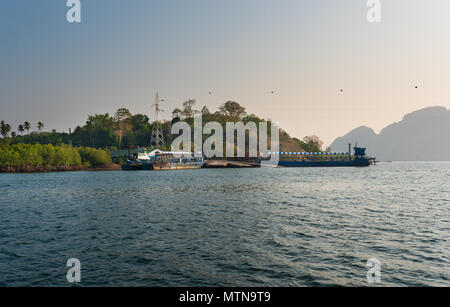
[
  {"x": 176, "y": 166},
  {"x": 354, "y": 163},
  {"x": 137, "y": 166}
]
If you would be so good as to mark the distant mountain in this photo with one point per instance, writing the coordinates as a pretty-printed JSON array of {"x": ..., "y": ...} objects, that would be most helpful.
[{"x": 422, "y": 135}]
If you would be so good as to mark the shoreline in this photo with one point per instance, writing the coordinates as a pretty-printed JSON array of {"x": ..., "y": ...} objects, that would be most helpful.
[{"x": 50, "y": 169}]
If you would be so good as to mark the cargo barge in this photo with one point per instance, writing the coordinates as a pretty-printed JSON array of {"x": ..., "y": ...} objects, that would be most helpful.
[
  {"x": 159, "y": 160},
  {"x": 177, "y": 161},
  {"x": 322, "y": 159}
]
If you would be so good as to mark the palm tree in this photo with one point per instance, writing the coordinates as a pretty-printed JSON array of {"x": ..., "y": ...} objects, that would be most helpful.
[
  {"x": 188, "y": 111},
  {"x": 21, "y": 129},
  {"x": 13, "y": 134},
  {"x": 176, "y": 112},
  {"x": 27, "y": 126},
  {"x": 5, "y": 129},
  {"x": 205, "y": 111},
  {"x": 40, "y": 126},
  {"x": 123, "y": 121}
]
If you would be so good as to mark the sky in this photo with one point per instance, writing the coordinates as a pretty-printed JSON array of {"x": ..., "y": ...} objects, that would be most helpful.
[{"x": 124, "y": 51}]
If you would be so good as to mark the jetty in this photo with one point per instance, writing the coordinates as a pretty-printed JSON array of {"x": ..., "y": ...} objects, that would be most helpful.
[{"x": 231, "y": 164}]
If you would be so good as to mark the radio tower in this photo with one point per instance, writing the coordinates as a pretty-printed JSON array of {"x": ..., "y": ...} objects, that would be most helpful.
[{"x": 157, "y": 132}]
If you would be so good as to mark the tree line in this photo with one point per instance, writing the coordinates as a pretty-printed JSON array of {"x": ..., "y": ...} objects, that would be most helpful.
[
  {"x": 126, "y": 130},
  {"x": 38, "y": 155},
  {"x": 6, "y": 129}
]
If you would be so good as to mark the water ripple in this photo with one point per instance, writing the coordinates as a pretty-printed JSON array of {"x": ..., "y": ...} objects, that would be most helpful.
[{"x": 255, "y": 227}]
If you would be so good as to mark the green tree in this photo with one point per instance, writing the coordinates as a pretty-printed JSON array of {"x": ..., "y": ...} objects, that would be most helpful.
[
  {"x": 98, "y": 131},
  {"x": 188, "y": 108},
  {"x": 5, "y": 129},
  {"x": 27, "y": 126},
  {"x": 21, "y": 129},
  {"x": 13, "y": 134},
  {"x": 140, "y": 134},
  {"x": 205, "y": 111},
  {"x": 140, "y": 122},
  {"x": 312, "y": 144},
  {"x": 99, "y": 121},
  {"x": 123, "y": 122},
  {"x": 232, "y": 109},
  {"x": 176, "y": 113},
  {"x": 94, "y": 157},
  {"x": 40, "y": 126},
  {"x": 38, "y": 155}
]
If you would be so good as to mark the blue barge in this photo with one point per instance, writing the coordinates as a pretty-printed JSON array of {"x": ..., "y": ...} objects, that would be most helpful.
[{"x": 324, "y": 159}]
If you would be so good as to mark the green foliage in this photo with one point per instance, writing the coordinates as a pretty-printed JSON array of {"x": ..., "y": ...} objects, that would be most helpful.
[
  {"x": 99, "y": 121},
  {"x": 310, "y": 143},
  {"x": 126, "y": 130},
  {"x": 205, "y": 111},
  {"x": 188, "y": 109},
  {"x": 94, "y": 157},
  {"x": 38, "y": 155},
  {"x": 43, "y": 138},
  {"x": 123, "y": 120},
  {"x": 27, "y": 126},
  {"x": 177, "y": 112},
  {"x": 5, "y": 129},
  {"x": 232, "y": 109}
]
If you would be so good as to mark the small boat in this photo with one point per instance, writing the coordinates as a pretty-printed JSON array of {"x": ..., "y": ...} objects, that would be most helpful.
[
  {"x": 141, "y": 161},
  {"x": 133, "y": 165},
  {"x": 165, "y": 161}
]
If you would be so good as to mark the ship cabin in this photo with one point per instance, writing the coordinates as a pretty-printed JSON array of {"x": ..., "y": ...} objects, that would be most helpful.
[{"x": 360, "y": 152}]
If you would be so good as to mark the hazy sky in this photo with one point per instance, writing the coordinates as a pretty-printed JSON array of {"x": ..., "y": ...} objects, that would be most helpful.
[{"x": 306, "y": 51}]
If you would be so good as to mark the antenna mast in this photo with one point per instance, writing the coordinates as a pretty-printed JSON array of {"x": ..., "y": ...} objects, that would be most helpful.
[
  {"x": 157, "y": 138},
  {"x": 157, "y": 109}
]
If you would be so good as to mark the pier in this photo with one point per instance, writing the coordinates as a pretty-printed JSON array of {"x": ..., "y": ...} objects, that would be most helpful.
[{"x": 231, "y": 164}]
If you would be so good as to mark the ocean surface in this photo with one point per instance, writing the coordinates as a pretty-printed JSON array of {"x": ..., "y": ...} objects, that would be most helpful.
[{"x": 229, "y": 227}]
